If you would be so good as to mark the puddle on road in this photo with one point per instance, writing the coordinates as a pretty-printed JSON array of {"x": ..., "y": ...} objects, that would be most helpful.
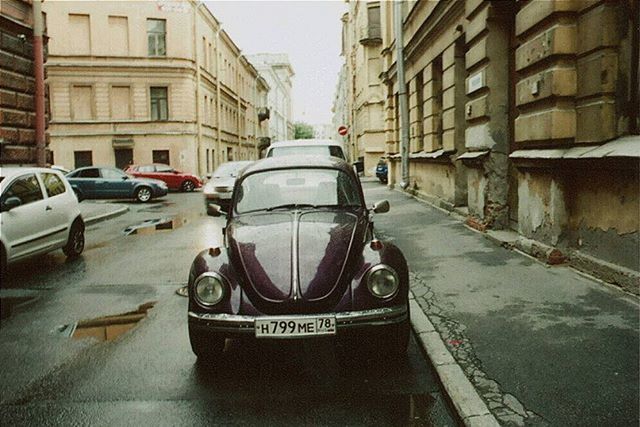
[
  {"x": 106, "y": 328},
  {"x": 163, "y": 224},
  {"x": 151, "y": 226}
]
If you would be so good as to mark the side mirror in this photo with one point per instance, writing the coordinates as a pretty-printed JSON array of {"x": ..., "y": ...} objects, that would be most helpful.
[
  {"x": 126, "y": 177},
  {"x": 215, "y": 210},
  {"x": 10, "y": 203},
  {"x": 381, "y": 207}
]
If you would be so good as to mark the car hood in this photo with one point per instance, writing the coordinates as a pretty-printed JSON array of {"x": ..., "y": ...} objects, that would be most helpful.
[{"x": 311, "y": 276}]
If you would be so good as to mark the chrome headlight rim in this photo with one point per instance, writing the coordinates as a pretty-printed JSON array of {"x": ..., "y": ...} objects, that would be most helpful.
[
  {"x": 379, "y": 267},
  {"x": 223, "y": 288}
]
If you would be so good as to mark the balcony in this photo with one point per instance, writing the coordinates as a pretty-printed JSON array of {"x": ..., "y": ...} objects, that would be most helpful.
[
  {"x": 263, "y": 113},
  {"x": 370, "y": 35}
]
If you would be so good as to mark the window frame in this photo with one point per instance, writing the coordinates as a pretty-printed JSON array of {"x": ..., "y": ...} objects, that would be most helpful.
[
  {"x": 151, "y": 103},
  {"x": 156, "y": 37}
]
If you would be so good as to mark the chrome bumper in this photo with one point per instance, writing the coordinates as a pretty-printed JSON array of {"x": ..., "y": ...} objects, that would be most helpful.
[{"x": 236, "y": 323}]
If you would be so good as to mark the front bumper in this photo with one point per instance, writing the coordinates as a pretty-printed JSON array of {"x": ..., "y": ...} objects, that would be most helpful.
[{"x": 236, "y": 324}]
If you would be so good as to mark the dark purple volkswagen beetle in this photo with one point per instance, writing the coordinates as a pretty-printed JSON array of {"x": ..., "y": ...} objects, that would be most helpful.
[{"x": 300, "y": 260}]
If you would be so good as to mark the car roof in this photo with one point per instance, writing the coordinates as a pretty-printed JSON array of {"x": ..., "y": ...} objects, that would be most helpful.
[
  {"x": 299, "y": 142},
  {"x": 9, "y": 171},
  {"x": 298, "y": 162}
]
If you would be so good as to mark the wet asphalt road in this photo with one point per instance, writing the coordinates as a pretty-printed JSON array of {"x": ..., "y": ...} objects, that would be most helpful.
[{"x": 149, "y": 376}]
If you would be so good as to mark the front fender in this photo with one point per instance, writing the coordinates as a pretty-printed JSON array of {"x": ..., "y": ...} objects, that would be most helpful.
[
  {"x": 390, "y": 255},
  {"x": 215, "y": 260}
]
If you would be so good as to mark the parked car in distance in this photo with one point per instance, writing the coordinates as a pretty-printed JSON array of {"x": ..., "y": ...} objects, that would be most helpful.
[
  {"x": 219, "y": 188},
  {"x": 105, "y": 182},
  {"x": 39, "y": 213},
  {"x": 382, "y": 169},
  {"x": 61, "y": 169},
  {"x": 300, "y": 260},
  {"x": 321, "y": 147},
  {"x": 175, "y": 179}
]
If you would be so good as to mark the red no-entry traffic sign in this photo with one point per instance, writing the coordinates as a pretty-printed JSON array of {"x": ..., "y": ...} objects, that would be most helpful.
[{"x": 342, "y": 130}]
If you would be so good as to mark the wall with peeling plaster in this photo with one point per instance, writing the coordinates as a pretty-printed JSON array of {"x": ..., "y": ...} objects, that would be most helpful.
[
  {"x": 594, "y": 211},
  {"x": 434, "y": 180},
  {"x": 605, "y": 212}
]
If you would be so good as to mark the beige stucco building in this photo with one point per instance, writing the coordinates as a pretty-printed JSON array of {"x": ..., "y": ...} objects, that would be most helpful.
[
  {"x": 149, "y": 81},
  {"x": 277, "y": 71},
  {"x": 523, "y": 116},
  {"x": 361, "y": 48}
]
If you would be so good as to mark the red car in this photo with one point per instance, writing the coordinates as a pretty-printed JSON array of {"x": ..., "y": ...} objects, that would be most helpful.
[{"x": 175, "y": 179}]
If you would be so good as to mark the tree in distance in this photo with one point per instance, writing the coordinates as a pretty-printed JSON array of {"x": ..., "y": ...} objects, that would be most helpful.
[{"x": 303, "y": 131}]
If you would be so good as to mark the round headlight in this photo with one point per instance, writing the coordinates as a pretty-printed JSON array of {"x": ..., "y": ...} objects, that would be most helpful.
[
  {"x": 209, "y": 289},
  {"x": 382, "y": 281}
]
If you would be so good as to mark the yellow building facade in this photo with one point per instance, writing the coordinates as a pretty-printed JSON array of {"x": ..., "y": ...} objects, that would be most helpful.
[
  {"x": 148, "y": 81},
  {"x": 524, "y": 116}
]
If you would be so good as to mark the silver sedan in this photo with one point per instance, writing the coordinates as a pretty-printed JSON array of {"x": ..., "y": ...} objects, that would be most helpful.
[{"x": 219, "y": 189}]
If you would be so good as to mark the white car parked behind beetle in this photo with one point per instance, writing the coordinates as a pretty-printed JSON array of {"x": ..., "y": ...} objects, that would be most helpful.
[{"x": 38, "y": 213}]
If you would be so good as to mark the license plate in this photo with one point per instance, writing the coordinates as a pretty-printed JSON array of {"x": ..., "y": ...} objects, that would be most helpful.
[{"x": 295, "y": 327}]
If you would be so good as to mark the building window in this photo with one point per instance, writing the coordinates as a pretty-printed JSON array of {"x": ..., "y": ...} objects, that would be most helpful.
[
  {"x": 373, "y": 16},
  {"x": 80, "y": 32},
  {"x": 159, "y": 103},
  {"x": 118, "y": 36},
  {"x": 229, "y": 154},
  {"x": 82, "y": 159},
  {"x": 420, "y": 112},
  {"x": 120, "y": 102},
  {"x": 437, "y": 100},
  {"x": 208, "y": 163},
  {"x": 161, "y": 156},
  {"x": 81, "y": 102},
  {"x": 156, "y": 37}
]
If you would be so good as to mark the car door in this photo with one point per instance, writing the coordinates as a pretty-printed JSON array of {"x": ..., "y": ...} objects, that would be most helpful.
[
  {"x": 165, "y": 173},
  {"x": 58, "y": 206},
  {"x": 115, "y": 184},
  {"x": 85, "y": 180},
  {"x": 25, "y": 227}
]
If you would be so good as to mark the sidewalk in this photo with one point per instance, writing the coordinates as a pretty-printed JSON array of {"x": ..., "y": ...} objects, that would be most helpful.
[
  {"x": 540, "y": 344},
  {"x": 93, "y": 211}
]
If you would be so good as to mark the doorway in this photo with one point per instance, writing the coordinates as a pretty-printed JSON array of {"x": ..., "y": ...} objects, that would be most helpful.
[{"x": 124, "y": 157}]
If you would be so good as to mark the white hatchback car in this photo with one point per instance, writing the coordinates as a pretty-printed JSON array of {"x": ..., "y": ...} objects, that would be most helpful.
[{"x": 38, "y": 213}]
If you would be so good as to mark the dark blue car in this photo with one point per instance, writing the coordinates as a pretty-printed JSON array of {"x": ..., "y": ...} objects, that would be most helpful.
[
  {"x": 381, "y": 171},
  {"x": 111, "y": 183}
]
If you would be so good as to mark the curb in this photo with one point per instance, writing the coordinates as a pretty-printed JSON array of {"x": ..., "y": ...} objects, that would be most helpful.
[
  {"x": 471, "y": 409},
  {"x": 104, "y": 216}
]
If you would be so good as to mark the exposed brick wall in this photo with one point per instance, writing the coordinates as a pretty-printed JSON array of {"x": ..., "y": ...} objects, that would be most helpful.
[{"x": 17, "y": 88}]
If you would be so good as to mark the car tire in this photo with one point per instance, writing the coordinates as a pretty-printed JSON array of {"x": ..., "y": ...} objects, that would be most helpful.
[
  {"x": 188, "y": 186},
  {"x": 75, "y": 244},
  {"x": 206, "y": 346},
  {"x": 143, "y": 194}
]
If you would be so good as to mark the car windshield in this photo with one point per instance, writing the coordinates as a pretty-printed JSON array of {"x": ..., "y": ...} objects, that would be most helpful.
[
  {"x": 292, "y": 188},
  {"x": 228, "y": 170},
  {"x": 312, "y": 150}
]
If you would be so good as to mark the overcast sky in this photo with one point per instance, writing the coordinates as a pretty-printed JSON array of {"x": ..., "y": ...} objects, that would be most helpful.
[{"x": 309, "y": 31}]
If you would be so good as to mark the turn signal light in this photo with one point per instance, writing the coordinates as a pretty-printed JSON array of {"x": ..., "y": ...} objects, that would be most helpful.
[{"x": 376, "y": 245}]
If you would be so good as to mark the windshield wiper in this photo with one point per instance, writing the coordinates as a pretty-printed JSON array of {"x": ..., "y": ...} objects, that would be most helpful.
[{"x": 290, "y": 205}]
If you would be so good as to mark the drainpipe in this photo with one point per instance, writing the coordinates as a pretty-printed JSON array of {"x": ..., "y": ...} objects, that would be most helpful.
[
  {"x": 255, "y": 116},
  {"x": 198, "y": 115},
  {"x": 238, "y": 89},
  {"x": 38, "y": 66},
  {"x": 402, "y": 94}
]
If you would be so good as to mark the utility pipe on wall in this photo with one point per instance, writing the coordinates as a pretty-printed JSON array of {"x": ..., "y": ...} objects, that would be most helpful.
[
  {"x": 38, "y": 67},
  {"x": 402, "y": 94}
]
